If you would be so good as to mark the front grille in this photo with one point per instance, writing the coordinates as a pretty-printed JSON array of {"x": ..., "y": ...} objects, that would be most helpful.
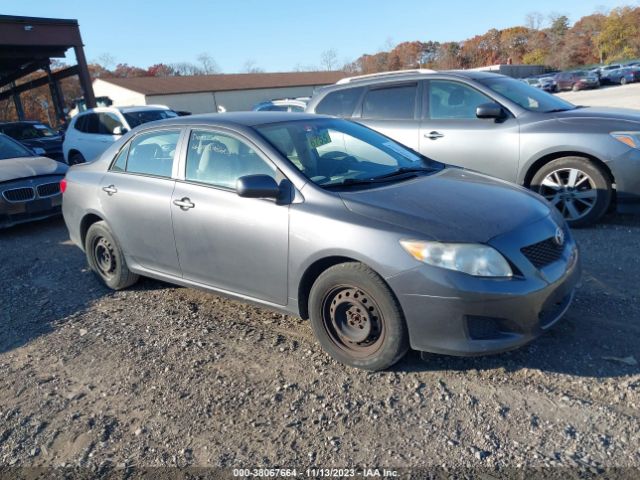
[
  {"x": 543, "y": 253},
  {"x": 48, "y": 189},
  {"x": 23, "y": 194}
]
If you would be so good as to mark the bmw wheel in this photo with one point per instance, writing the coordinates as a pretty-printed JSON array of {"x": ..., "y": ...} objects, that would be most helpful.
[{"x": 579, "y": 189}]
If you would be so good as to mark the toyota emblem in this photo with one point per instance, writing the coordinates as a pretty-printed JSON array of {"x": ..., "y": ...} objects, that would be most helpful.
[{"x": 559, "y": 237}]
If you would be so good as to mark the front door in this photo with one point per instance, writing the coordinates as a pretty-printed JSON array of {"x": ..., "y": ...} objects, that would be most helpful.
[
  {"x": 451, "y": 132},
  {"x": 225, "y": 241},
  {"x": 136, "y": 198}
]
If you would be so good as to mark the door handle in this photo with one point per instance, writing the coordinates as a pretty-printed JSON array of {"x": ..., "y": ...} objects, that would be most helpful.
[
  {"x": 111, "y": 189},
  {"x": 433, "y": 135},
  {"x": 184, "y": 203}
]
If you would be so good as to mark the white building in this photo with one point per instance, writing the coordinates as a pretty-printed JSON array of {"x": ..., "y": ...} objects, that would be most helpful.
[{"x": 207, "y": 93}]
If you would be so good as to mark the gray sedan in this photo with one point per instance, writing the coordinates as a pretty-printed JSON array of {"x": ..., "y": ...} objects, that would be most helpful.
[
  {"x": 29, "y": 184},
  {"x": 380, "y": 247}
]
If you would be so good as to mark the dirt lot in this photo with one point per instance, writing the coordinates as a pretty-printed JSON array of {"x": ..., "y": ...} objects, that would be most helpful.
[
  {"x": 620, "y": 96},
  {"x": 159, "y": 375}
]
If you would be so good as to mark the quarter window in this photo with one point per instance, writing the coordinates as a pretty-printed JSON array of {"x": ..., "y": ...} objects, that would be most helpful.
[
  {"x": 453, "y": 100},
  {"x": 341, "y": 102},
  {"x": 120, "y": 163},
  {"x": 390, "y": 103},
  {"x": 218, "y": 159},
  {"x": 153, "y": 153}
]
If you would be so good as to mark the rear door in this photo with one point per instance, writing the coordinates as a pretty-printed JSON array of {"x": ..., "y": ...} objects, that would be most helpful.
[
  {"x": 136, "y": 197},
  {"x": 393, "y": 110},
  {"x": 451, "y": 133}
]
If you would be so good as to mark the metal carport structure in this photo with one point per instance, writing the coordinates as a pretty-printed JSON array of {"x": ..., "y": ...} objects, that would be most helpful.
[{"x": 27, "y": 44}]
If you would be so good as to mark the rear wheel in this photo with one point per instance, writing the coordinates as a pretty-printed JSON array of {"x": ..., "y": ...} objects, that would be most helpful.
[
  {"x": 356, "y": 317},
  {"x": 106, "y": 259},
  {"x": 578, "y": 188},
  {"x": 623, "y": 81},
  {"x": 75, "y": 158}
]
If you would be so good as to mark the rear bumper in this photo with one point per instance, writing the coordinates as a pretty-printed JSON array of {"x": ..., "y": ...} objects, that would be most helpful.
[{"x": 456, "y": 314}]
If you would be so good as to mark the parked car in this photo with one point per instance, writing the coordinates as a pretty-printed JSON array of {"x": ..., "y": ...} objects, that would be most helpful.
[
  {"x": 380, "y": 247},
  {"x": 579, "y": 80},
  {"x": 91, "y": 132},
  {"x": 282, "y": 105},
  {"x": 548, "y": 83},
  {"x": 583, "y": 160},
  {"x": 622, "y": 76},
  {"x": 36, "y": 135},
  {"x": 533, "y": 81},
  {"x": 29, "y": 184}
]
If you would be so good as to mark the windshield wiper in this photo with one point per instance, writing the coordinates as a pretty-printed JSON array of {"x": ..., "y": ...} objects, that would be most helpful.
[
  {"x": 402, "y": 171},
  {"x": 387, "y": 177},
  {"x": 556, "y": 110}
]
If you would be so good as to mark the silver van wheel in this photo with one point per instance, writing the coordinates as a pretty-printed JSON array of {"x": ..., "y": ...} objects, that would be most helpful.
[{"x": 571, "y": 191}]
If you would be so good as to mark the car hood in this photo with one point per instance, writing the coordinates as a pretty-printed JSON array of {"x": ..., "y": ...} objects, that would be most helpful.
[
  {"x": 623, "y": 115},
  {"x": 455, "y": 205},
  {"x": 24, "y": 167}
]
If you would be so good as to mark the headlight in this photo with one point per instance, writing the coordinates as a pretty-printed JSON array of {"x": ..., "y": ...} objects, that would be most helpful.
[
  {"x": 472, "y": 258},
  {"x": 630, "y": 139}
]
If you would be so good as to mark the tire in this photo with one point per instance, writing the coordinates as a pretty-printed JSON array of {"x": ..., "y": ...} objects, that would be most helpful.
[
  {"x": 575, "y": 87},
  {"x": 106, "y": 259},
  {"x": 577, "y": 187},
  {"x": 75, "y": 158},
  {"x": 623, "y": 81},
  {"x": 356, "y": 318}
]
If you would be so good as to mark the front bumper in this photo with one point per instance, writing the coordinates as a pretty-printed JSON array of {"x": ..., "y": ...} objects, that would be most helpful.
[
  {"x": 39, "y": 207},
  {"x": 456, "y": 314}
]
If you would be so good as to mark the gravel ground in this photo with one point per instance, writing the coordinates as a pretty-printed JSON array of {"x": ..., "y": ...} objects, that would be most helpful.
[
  {"x": 163, "y": 376},
  {"x": 618, "y": 96}
]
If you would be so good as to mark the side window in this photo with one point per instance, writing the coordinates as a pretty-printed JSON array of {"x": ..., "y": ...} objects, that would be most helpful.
[
  {"x": 152, "y": 153},
  {"x": 80, "y": 123},
  {"x": 219, "y": 159},
  {"x": 341, "y": 102},
  {"x": 91, "y": 123},
  {"x": 390, "y": 103},
  {"x": 120, "y": 162},
  {"x": 108, "y": 122},
  {"x": 453, "y": 100}
]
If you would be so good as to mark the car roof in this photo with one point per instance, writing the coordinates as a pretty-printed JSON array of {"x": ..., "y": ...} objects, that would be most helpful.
[
  {"x": 131, "y": 108},
  {"x": 247, "y": 119}
]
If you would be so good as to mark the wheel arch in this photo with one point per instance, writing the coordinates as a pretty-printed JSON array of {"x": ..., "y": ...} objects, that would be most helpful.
[
  {"x": 542, "y": 161},
  {"x": 86, "y": 222},
  {"x": 312, "y": 273}
]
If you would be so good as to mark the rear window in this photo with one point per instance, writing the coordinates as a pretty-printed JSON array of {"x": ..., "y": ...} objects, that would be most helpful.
[
  {"x": 341, "y": 102},
  {"x": 390, "y": 103}
]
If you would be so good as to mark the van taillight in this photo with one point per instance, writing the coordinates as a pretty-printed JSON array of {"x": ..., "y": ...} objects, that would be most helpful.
[{"x": 63, "y": 185}]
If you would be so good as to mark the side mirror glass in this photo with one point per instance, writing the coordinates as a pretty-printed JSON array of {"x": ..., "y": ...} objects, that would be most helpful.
[
  {"x": 490, "y": 110},
  {"x": 257, "y": 186}
]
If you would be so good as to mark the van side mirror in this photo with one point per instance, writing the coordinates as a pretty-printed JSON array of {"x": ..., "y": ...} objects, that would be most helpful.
[
  {"x": 490, "y": 110},
  {"x": 257, "y": 186}
]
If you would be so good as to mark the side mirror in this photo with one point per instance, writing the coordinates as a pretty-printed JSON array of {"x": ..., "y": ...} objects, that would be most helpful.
[
  {"x": 119, "y": 130},
  {"x": 490, "y": 110},
  {"x": 257, "y": 186}
]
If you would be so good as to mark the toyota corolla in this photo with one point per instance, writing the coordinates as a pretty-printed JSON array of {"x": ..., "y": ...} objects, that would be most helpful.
[{"x": 380, "y": 247}]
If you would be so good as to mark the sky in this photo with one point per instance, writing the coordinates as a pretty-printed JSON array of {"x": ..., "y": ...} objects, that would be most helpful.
[{"x": 281, "y": 35}]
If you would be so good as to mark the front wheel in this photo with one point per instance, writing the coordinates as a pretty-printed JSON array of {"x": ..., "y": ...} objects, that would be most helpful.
[
  {"x": 356, "y": 318},
  {"x": 578, "y": 188},
  {"x": 623, "y": 81},
  {"x": 106, "y": 259}
]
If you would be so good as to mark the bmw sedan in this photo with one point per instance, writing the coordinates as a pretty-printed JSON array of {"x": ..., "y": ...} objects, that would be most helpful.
[
  {"x": 380, "y": 247},
  {"x": 29, "y": 184}
]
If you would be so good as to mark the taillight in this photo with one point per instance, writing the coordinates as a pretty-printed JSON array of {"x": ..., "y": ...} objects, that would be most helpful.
[{"x": 63, "y": 185}]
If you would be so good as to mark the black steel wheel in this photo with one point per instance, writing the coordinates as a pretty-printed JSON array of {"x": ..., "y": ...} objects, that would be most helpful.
[
  {"x": 356, "y": 317},
  {"x": 105, "y": 257}
]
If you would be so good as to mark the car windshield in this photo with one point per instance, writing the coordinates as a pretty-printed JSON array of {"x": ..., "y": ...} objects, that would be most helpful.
[
  {"x": 139, "y": 117},
  {"x": 532, "y": 99},
  {"x": 28, "y": 131},
  {"x": 12, "y": 149},
  {"x": 334, "y": 152}
]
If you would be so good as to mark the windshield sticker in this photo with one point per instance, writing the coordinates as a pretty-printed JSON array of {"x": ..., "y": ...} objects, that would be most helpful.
[
  {"x": 402, "y": 151},
  {"x": 318, "y": 138}
]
